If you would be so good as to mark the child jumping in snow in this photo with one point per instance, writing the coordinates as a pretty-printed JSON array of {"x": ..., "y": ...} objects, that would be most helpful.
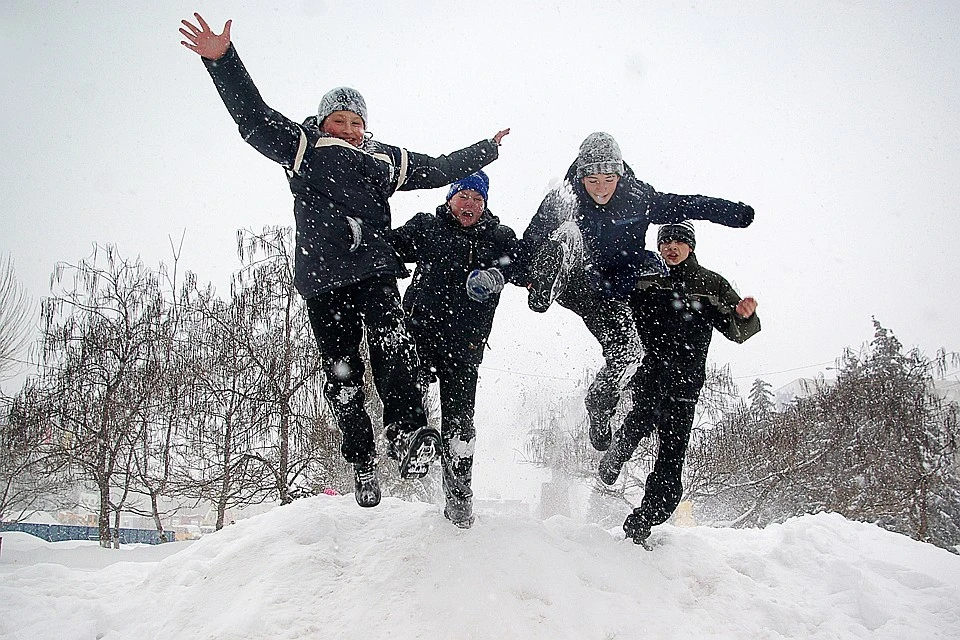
[
  {"x": 675, "y": 315},
  {"x": 464, "y": 256},
  {"x": 341, "y": 180},
  {"x": 585, "y": 248}
]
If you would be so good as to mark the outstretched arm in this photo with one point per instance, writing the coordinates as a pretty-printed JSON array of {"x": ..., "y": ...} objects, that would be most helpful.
[
  {"x": 265, "y": 129},
  {"x": 668, "y": 208},
  {"x": 427, "y": 172},
  {"x": 203, "y": 40}
]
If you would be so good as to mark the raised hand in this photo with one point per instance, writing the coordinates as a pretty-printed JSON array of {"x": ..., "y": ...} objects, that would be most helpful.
[
  {"x": 203, "y": 40},
  {"x": 499, "y": 135}
]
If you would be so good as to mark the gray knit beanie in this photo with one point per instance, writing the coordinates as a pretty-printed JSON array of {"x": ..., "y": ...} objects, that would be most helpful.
[
  {"x": 599, "y": 154},
  {"x": 342, "y": 99}
]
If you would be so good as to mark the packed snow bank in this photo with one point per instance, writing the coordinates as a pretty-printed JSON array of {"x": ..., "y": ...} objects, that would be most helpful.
[{"x": 324, "y": 568}]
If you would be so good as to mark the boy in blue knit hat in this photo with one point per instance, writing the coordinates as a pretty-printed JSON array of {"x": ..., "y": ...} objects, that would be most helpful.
[{"x": 463, "y": 256}]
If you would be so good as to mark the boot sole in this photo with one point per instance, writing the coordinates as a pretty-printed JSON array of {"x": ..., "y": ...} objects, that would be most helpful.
[{"x": 423, "y": 451}]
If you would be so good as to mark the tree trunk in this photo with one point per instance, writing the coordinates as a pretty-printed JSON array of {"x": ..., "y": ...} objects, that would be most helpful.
[
  {"x": 116, "y": 530},
  {"x": 283, "y": 472},
  {"x": 156, "y": 517},
  {"x": 103, "y": 520}
]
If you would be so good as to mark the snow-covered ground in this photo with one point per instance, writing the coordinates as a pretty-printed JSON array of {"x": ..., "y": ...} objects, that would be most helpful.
[{"x": 324, "y": 568}]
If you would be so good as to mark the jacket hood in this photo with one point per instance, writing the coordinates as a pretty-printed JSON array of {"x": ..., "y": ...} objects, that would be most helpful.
[{"x": 312, "y": 124}]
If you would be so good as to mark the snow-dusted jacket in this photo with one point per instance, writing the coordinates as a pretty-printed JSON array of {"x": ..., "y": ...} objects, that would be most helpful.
[
  {"x": 340, "y": 192},
  {"x": 615, "y": 233},
  {"x": 442, "y": 317},
  {"x": 676, "y": 315}
]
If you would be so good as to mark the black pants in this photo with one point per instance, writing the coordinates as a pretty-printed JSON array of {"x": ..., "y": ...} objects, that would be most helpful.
[
  {"x": 663, "y": 404},
  {"x": 458, "y": 395},
  {"x": 339, "y": 319},
  {"x": 611, "y": 322}
]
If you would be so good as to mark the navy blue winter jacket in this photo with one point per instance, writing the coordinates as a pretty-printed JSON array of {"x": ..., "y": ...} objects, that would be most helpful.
[
  {"x": 340, "y": 192},
  {"x": 615, "y": 233}
]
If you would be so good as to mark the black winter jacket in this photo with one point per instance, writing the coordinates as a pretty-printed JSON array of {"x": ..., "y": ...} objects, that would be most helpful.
[
  {"x": 615, "y": 233},
  {"x": 676, "y": 316},
  {"x": 444, "y": 320},
  {"x": 340, "y": 192}
]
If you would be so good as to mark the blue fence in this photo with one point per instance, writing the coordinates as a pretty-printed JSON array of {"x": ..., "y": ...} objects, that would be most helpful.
[{"x": 60, "y": 532}]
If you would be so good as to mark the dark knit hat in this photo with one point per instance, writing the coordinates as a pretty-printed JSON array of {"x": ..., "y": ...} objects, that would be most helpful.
[
  {"x": 342, "y": 99},
  {"x": 478, "y": 181},
  {"x": 599, "y": 153},
  {"x": 680, "y": 231}
]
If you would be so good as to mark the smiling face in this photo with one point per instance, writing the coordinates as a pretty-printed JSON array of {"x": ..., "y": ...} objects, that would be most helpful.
[
  {"x": 601, "y": 186},
  {"x": 346, "y": 125},
  {"x": 674, "y": 252},
  {"x": 467, "y": 206}
]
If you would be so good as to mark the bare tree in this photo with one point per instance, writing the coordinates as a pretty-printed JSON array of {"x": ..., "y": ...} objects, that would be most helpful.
[
  {"x": 283, "y": 349},
  {"x": 17, "y": 320},
  {"x": 29, "y": 478},
  {"x": 224, "y": 420},
  {"x": 152, "y": 463},
  {"x": 102, "y": 366}
]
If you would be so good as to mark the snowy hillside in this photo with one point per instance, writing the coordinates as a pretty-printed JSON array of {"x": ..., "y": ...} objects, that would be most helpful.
[{"x": 324, "y": 568}]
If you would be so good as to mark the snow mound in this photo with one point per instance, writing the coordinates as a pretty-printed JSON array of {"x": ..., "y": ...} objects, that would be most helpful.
[{"x": 324, "y": 568}]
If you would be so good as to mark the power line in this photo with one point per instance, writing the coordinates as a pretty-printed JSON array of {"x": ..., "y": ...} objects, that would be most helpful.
[{"x": 773, "y": 373}]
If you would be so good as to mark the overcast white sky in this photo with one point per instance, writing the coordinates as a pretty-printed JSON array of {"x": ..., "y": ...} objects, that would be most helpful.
[{"x": 838, "y": 121}]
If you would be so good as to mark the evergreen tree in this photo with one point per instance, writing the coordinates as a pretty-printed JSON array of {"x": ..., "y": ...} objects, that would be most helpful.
[{"x": 761, "y": 398}]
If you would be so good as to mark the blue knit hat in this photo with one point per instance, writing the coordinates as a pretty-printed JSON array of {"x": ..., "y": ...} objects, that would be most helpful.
[{"x": 478, "y": 182}]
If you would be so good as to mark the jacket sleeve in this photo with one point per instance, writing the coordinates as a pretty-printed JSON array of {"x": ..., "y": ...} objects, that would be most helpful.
[
  {"x": 405, "y": 240},
  {"x": 426, "y": 172},
  {"x": 726, "y": 320},
  {"x": 266, "y": 130},
  {"x": 667, "y": 208},
  {"x": 508, "y": 263}
]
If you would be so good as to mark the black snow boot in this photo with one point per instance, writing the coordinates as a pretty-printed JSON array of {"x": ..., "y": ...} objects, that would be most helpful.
[
  {"x": 637, "y": 529},
  {"x": 610, "y": 465},
  {"x": 600, "y": 432},
  {"x": 546, "y": 270},
  {"x": 460, "y": 513},
  {"x": 366, "y": 486}
]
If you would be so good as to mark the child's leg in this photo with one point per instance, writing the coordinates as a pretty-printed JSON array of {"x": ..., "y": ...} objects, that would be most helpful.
[{"x": 338, "y": 330}]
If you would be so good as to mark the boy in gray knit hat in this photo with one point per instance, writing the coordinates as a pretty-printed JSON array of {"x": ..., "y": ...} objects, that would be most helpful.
[
  {"x": 585, "y": 248},
  {"x": 599, "y": 154},
  {"x": 345, "y": 270}
]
